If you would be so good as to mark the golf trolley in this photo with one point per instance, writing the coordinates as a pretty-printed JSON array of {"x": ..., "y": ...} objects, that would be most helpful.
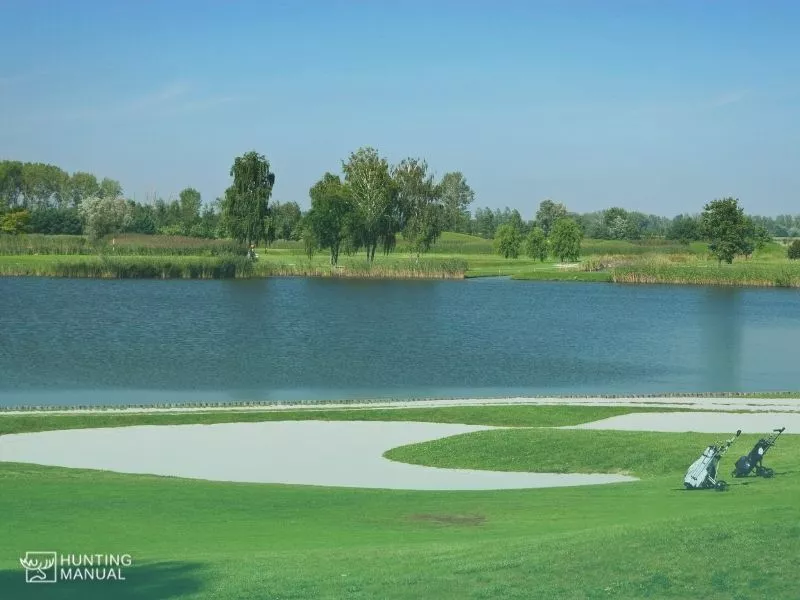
[
  {"x": 746, "y": 464},
  {"x": 702, "y": 474}
]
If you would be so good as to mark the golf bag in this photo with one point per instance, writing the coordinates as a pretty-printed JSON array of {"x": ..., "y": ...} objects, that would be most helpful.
[
  {"x": 702, "y": 474},
  {"x": 746, "y": 464}
]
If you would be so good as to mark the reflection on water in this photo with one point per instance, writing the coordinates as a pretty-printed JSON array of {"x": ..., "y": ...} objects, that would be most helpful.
[
  {"x": 723, "y": 337},
  {"x": 141, "y": 342}
]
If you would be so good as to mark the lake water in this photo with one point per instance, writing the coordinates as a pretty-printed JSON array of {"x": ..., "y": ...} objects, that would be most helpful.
[{"x": 85, "y": 342}]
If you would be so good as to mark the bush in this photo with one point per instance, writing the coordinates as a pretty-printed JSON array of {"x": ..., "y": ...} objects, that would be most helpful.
[{"x": 793, "y": 251}]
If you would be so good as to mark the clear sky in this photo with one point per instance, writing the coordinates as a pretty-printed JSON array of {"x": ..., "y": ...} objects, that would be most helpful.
[{"x": 651, "y": 105}]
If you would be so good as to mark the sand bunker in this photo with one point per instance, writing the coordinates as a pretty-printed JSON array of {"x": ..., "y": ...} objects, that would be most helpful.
[
  {"x": 703, "y": 422},
  {"x": 326, "y": 453}
]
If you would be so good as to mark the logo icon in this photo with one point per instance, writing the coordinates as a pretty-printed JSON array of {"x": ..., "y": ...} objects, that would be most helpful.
[{"x": 40, "y": 567}]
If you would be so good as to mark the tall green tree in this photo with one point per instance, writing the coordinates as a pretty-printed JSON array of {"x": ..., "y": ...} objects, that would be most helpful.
[
  {"x": 329, "y": 222},
  {"x": 81, "y": 186},
  {"x": 536, "y": 244},
  {"x": 246, "y": 201},
  {"x": 190, "y": 202},
  {"x": 10, "y": 184},
  {"x": 507, "y": 240},
  {"x": 285, "y": 218},
  {"x": 726, "y": 228},
  {"x": 373, "y": 196},
  {"x": 456, "y": 198},
  {"x": 418, "y": 198},
  {"x": 549, "y": 212},
  {"x": 565, "y": 239},
  {"x": 110, "y": 188}
]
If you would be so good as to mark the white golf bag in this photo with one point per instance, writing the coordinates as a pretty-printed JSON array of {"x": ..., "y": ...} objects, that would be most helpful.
[{"x": 702, "y": 473}]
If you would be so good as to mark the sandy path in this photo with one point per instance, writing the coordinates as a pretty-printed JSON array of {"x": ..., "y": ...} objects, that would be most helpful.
[
  {"x": 706, "y": 422},
  {"x": 327, "y": 453}
]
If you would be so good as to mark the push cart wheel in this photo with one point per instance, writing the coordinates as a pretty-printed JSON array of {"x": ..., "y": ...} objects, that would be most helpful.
[
  {"x": 768, "y": 473},
  {"x": 721, "y": 486}
]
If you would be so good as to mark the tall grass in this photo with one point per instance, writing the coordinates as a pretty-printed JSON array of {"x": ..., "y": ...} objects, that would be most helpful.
[
  {"x": 362, "y": 269},
  {"x": 197, "y": 267},
  {"x": 135, "y": 267},
  {"x": 121, "y": 245},
  {"x": 704, "y": 273}
]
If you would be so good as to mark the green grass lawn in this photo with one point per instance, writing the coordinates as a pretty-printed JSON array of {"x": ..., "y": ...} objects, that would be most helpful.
[
  {"x": 647, "y": 539},
  {"x": 454, "y": 255}
]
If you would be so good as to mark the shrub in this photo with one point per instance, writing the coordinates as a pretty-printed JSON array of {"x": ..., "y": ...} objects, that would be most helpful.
[{"x": 793, "y": 252}]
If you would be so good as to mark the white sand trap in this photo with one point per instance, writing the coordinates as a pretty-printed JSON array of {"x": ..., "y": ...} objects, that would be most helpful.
[
  {"x": 346, "y": 454},
  {"x": 703, "y": 422}
]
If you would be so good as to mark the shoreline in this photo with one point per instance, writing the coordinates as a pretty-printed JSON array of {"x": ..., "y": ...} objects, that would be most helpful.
[{"x": 741, "y": 401}]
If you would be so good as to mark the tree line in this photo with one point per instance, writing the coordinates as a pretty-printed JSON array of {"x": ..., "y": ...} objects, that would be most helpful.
[{"x": 365, "y": 206}]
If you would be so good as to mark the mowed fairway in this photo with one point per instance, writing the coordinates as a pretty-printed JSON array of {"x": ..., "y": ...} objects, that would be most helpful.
[{"x": 196, "y": 539}]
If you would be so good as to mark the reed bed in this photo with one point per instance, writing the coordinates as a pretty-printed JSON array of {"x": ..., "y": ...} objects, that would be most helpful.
[
  {"x": 231, "y": 267},
  {"x": 696, "y": 273},
  {"x": 121, "y": 245}
]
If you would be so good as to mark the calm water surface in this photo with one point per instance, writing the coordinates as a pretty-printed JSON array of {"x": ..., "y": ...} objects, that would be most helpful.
[{"x": 80, "y": 341}]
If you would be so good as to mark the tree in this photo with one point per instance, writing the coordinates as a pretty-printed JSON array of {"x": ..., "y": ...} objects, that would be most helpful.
[
  {"x": 190, "y": 202},
  {"x": 109, "y": 188},
  {"x": 81, "y": 186},
  {"x": 793, "y": 251},
  {"x": 484, "y": 222},
  {"x": 103, "y": 216},
  {"x": 726, "y": 228},
  {"x": 54, "y": 221},
  {"x": 418, "y": 198},
  {"x": 549, "y": 212},
  {"x": 15, "y": 221},
  {"x": 536, "y": 244},
  {"x": 10, "y": 183},
  {"x": 565, "y": 240},
  {"x": 373, "y": 197},
  {"x": 684, "y": 229},
  {"x": 328, "y": 224},
  {"x": 285, "y": 219},
  {"x": 246, "y": 201},
  {"x": 456, "y": 198},
  {"x": 507, "y": 240}
]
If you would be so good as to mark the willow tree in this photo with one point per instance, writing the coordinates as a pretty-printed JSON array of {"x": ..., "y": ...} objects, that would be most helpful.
[
  {"x": 419, "y": 204},
  {"x": 372, "y": 193},
  {"x": 244, "y": 208}
]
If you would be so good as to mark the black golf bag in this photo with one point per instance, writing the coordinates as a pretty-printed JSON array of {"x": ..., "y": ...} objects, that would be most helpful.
[
  {"x": 746, "y": 464},
  {"x": 702, "y": 473}
]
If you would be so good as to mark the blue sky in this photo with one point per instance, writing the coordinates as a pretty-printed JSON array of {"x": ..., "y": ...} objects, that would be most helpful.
[{"x": 650, "y": 105}]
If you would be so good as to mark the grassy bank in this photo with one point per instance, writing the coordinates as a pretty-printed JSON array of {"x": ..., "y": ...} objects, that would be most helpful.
[
  {"x": 206, "y": 540},
  {"x": 453, "y": 257}
]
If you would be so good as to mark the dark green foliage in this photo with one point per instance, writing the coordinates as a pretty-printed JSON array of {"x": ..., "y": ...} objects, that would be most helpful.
[
  {"x": 727, "y": 229},
  {"x": 793, "y": 251},
  {"x": 332, "y": 216},
  {"x": 536, "y": 244},
  {"x": 244, "y": 208},
  {"x": 549, "y": 212},
  {"x": 684, "y": 229},
  {"x": 565, "y": 240},
  {"x": 55, "y": 221},
  {"x": 507, "y": 241}
]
